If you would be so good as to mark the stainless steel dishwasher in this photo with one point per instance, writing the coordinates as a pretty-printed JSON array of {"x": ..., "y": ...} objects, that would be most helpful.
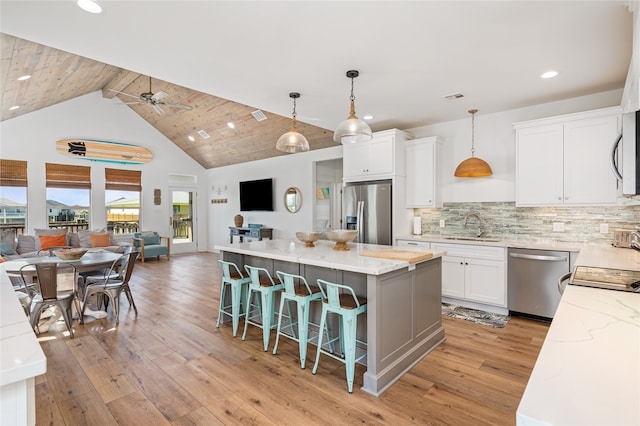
[{"x": 532, "y": 285}]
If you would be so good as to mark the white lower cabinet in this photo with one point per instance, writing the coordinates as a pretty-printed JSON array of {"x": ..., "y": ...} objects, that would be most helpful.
[{"x": 474, "y": 273}]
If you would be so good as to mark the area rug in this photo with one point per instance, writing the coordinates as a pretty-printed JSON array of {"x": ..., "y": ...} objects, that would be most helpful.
[{"x": 475, "y": 315}]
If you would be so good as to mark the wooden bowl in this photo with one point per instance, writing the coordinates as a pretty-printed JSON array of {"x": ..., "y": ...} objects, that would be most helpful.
[
  {"x": 308, "y": 237},
  {"x": 341, "y": 237},
  {"x": 70, "y": 254}
]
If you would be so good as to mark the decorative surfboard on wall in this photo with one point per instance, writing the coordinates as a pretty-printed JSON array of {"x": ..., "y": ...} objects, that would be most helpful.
[{"x": 110, "y": 152}]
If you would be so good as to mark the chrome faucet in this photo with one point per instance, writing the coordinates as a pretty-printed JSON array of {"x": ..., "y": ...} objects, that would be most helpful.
[{"x": 466, "y": 220}]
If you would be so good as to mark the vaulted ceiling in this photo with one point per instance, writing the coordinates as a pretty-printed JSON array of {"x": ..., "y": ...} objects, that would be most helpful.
[
  {"x": 58, "y": 76},
  {"x": 228, "y": 59}
]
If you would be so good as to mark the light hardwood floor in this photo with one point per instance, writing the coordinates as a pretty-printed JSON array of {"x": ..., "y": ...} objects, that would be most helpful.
[{"x": 171, "y": 365}]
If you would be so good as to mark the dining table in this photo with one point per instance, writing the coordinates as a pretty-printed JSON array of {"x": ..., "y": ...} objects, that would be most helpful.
[{"x": 89, "y": 262}]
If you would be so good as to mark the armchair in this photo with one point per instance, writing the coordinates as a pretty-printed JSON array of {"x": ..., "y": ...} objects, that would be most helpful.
[{"x": 151, "y": 244}]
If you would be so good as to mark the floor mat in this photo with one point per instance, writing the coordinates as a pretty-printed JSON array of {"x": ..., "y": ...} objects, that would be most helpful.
[{"x": 475, "y": 315}]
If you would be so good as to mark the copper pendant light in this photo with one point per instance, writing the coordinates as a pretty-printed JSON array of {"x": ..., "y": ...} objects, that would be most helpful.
[{"x": 473, "y": 167}]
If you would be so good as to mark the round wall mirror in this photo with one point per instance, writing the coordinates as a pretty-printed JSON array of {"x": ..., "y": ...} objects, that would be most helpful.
[{"x": 292, "y": 199}]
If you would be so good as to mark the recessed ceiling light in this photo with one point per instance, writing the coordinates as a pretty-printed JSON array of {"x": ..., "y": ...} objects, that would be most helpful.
[
  {"x": 191, "y": 138},
  {"x": 549, "y": 74},
  {"x": 90, "y": 6},
  {"x": 231, "y": 125},
  {"x": 13, "y": 108},
  {"x": 368, "y": 117},
  {"x": 24, "y": 77}
]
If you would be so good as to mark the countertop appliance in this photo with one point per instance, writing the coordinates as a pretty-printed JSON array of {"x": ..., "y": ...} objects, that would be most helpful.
[
  {"x": 607, "y": 278},
  {"x": 626, "y": 238},
  {"x": 629, "y": 175},
  {"x": 532, "y": 281},
  {"x": 367, "y": 209}
]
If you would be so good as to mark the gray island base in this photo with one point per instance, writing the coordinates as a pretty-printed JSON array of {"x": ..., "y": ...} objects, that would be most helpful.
[{"x": 403, "y": 322}]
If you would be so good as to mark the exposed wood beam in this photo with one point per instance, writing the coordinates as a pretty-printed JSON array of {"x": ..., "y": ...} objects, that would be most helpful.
[{"x": 120, "y": 82}]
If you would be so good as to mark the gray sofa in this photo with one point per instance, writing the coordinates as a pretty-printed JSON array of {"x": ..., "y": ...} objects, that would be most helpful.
[{"x": 12, "y": 247}]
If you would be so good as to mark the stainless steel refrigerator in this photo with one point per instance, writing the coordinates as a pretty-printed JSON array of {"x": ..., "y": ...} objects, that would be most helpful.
[{"x": 367, "y": 208}]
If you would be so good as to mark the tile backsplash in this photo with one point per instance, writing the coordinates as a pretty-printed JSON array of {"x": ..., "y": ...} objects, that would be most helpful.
[{"x": 505, "y": 220}]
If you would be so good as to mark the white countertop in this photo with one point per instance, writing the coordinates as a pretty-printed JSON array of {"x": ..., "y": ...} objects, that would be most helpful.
[
  {"x": 588, "y": 370},
  {"x": 609, "y": 257},
  {"x": 21, "y": 356},
  {"x": 531, "y": 244},
  {"x": 323, "y": 255}
]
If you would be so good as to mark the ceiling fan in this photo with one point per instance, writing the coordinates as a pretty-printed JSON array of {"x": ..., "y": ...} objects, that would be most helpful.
[{"x": 153, "y": 99}]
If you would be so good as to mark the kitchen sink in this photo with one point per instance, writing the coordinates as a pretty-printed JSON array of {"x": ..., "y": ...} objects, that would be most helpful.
[{"x": 488, "y": 240}]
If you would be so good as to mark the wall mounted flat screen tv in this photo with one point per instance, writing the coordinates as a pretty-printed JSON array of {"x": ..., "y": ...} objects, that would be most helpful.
[{"x": 256, "y": 195}]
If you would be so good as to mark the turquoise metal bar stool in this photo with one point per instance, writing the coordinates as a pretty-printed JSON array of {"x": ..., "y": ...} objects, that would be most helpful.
[
  {"x": 342, "y": 300},
  {"x": 232, "y": 277},
  {"x": 296, "y": 289},
  {"x": 264, "y": 287}
]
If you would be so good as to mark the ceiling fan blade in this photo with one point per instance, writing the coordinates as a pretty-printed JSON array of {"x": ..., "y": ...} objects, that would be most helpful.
[
  {"x": 133, "y": 103},
  {"x": 157, "y": 109},
  {"x": 159, "y": 96},
  {"x": 171, "y": 104},
  {"x": 123, "y": 93}
]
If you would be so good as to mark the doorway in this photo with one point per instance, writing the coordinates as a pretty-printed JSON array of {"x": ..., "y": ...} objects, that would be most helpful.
[{"x": 183, "y": 218}]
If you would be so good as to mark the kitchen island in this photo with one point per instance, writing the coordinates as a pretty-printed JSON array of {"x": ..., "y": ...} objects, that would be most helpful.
[
  {"x": 21, "y": 359},
  {"x": 403, "y": 321},
  {"x": 587, "y": 371}
]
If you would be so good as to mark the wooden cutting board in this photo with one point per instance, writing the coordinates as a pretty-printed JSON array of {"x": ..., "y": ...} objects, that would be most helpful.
[{"x": 395, "y": 254}]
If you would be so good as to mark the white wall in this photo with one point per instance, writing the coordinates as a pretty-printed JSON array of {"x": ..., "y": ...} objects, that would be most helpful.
[
  {"x": 289, "y": 170},
  {"x": 495, "y": 143},
  {"x": 32, "y": 137}
]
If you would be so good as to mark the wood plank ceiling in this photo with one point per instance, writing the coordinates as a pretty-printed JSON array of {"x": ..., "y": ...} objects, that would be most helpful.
[{"x": 58, "y": 76}]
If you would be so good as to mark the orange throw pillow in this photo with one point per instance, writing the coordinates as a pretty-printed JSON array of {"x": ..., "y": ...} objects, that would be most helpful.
[
  {"x": 1, "y": 259},
  {"x": 47, "y": 241},
  {"x": 100, "y": 240}
]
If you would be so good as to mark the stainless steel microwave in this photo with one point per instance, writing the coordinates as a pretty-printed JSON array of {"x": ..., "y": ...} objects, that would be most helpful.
[{"x": 629, "y": 173}]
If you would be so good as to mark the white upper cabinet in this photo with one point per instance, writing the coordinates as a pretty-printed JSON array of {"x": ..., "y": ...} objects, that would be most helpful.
[
  {"x": 422, "y": 157},
  {"x": 379, "y": 158},
  {"x": 566, "y": 160}
]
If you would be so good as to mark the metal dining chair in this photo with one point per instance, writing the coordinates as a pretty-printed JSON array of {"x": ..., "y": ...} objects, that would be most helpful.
[
  {"x": 297, "y": 290},
  {"x": 233, "y": 278},
  {"x": 49, "y": 275},
  {"x": 341, "y": 300},
  {"x": 111, "y": 274},
  {"x": 261, "y": 313},
  {"x": 112, "y": 288}
]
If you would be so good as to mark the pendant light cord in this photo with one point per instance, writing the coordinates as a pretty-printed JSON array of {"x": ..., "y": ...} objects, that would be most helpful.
[
  {"x": 473, "y": 131},
  {"x": 352, "y": 97}
]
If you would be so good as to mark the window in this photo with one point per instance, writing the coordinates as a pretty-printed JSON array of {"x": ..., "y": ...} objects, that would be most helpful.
[
  {"x": 68, "y": 196},
  {"x": 13, "y": 195},
  {"x": 122, "y": 197}
]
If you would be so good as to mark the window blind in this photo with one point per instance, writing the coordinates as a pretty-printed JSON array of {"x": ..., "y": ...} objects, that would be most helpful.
[
  {"x": 13, "y": 173},
  {"x": 123, "y": 180},
  {"x": 66, "y": 176}
]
